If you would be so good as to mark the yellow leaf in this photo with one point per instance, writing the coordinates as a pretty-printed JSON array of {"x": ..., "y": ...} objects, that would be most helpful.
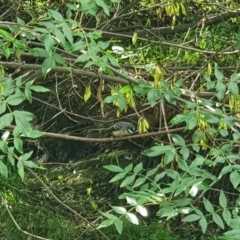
[
  {"x": 134, "y": 38},
  {"x": 87, "y": 93},
  {"x": 209, "y": 69},
  {"x": 143, "y": 125},
  {"x": 183, "y": 9}
]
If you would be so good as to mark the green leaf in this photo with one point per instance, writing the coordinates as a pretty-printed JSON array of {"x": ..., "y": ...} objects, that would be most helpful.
[
  {"x": 49, "y": 44},
  {"x": 6, "y": 35},
  {"x": 41, "y": 30},
  {"x": 170, "y": 97},
  {"x": 82, "y": 58},
  {"x": 223, "y": 132},
  {"x": 118, "y": 177},
  {"x": 208, "y": 206},
  {"x": 138, "y": 168},
  {"x": 28, "y": 94},
  {"x": 169, "y": 157},
  {"x": 235, "y": 179},
  {"x": 3, "y": 170},
  {"x": 37, "y": 88},
  {"x": 122, "y": 102},
  {"x": 221, "y": 89},
  {"x": 105, "y": 7},
  {"x": 235, "y": 77},
  {"x": 110, "y": 99},
  {"x": 127, "y": 181},
  {"x": 189, "y": 118},
  {"x": 191, "y": 218},
  {"x": 113, "y": 61},
  {"x": 158, "y": 150},
  {"x": 15, "y": 99},
  {"x": 11, "y": 159},
  {"x": 23, "y": 124},
  {"x": 227, "y": 216},
  {"x": 236, "y": 135},
  {"x": 2, "y": 107},
  {"x": 94, "y": 34},
  {"x": 60, "y": 36},
  {"x": 18, "y": 144},
  {"x": 203, "y": 224},
  {"x": 108, "y": 215},
  {"x": 217, "y": 219},
  {"x": 218, "y": 74},
  {"x": 177, "y": 139},
  {"x": 48, "y": 64},
  {"x": 159, "y": 176},
  {"x": 106, "y": 223},
  {"x": 56, "y": 15},
  {"x": 21, "y": 172},
  {"x": 225, "y": 170},
  {"x": 172, "y": 174},
  {"x": 6, "y": 120},
  {"x": 30, "y": 164},
  {"x": 119, "y": 225},
  {"x": 67, "y": 32},
  {"x": 128, "y": 168},
  {"x": 19, "y": 44},
  {"x": 25, "y": 156},
  {"x": 89, "y": 64},
  {"x": 139, "y": 182},
  {"x": 152, "y": 172},
  {"x": 153, "y": 96},
  {"x": 59, "y": 59},
  {"x": 233, "y": 88},
  {"x": 80, "y": 45},
  {"x": 222, "y": 199},
  {"x": 3, "y": 146},
  {"x": 185, "y": 152},
  {"x": 23, "y": 114},
  {"x": 5, "y": 50},
  {"x": 113, "y": 168},
  {"x": 183, "y": 165},
  {"x": 20, "y": 21},
  {"x": 34, "y": 134}
]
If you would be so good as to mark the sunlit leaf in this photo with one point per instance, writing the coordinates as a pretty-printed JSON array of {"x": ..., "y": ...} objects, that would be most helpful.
[
  {"x": 119, "y": 210},
  {"x": 142, "y": 210},
  {"x": 131, "y": 201},
  {"x": 132, "y": 218}
]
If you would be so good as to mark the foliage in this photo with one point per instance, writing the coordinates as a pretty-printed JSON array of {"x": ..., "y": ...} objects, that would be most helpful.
[
  {"x": 13, "y": 93},
  {"x": 186, "y": 171},
  {"x": 153, "y": 231}
]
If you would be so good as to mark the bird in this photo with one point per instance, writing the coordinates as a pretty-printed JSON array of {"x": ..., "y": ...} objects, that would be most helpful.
[{"x": 119, "y": 129}]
